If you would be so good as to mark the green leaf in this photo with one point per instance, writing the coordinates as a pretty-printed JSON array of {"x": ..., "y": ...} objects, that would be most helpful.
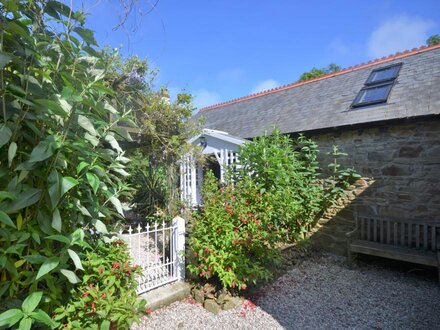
[
  {"x": 97, "y": 73},
  {"x": 47, "y": 266},
  {"x": 5, "y": 58},
  {"x": 42, "y": 317},
  {"x": 26, "y": 198},
  {"x": 93, "y": 181},
  {"x": 5, "y": 135},
  {"x": 59, "y": 186},
  {"x": 70, "y": 95},
  {"x": 31, "y": 302},
  {"x": 67, "y": 183},
  {"x": 36, "y": 237},
  {"x": 10, "y": 317},
  {"x": 87, "y": 35},
  {"x": 105, "y": 325},
  {"x": 75, "y": 258},
  {"x": 25, "y": 324},
  {"x": 55, "y": 188},
  {"x": 100, "y": 226},
  {"x": 35, "y": 259},
  {"x": 92, "y": 139},
  {"x": 81, "y": 166},
  {"x": 59, "y": 238},
  {"x": 4, "y": 218},
  {"x": 71, "y": 276},
  {"x": 11, "y": 152},
  {"x": 85, "y": 123},
  {"x": 117, "y": 204},
  {"x": 59, "y": 8},
  {"x": 57, "y": 107},
  {"x": 16, "y": 249},
  {"x": 110, "y": 108},
  {"x": 115, "y": 145},
  {"x": 7, "y": 195},
  {"x": 56, "y": 220},
  {"x": 44, "y": 149}
]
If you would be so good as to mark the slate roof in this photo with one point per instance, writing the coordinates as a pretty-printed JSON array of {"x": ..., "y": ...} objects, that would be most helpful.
[{"x": 325, "y": 102}]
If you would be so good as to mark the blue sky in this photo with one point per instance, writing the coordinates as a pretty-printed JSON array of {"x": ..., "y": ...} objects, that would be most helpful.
[{"x": 220, "y": 50}]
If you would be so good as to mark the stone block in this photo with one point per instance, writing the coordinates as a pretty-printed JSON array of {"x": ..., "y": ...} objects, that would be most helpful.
[
  {"x": 410, "y": 152},
  {"x": 395, "y": 170},
  {"x": 199, "y": 295},
  {"x": 212, "y": 306}
]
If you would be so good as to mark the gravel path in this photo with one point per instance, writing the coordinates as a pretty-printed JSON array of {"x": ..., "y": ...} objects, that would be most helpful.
[{"x": 321, "y": 293}]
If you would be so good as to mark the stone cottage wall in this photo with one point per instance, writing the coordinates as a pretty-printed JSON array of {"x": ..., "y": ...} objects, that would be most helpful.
[{"x": 402, "y": 158}]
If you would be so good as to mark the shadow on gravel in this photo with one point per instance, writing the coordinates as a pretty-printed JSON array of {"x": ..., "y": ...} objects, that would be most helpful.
[{"x": 321, "y": 292}]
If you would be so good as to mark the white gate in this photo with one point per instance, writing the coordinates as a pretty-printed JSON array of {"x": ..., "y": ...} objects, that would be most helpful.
[{"x": 159, "y": 251}]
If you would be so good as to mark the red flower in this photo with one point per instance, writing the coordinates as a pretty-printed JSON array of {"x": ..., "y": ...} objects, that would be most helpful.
[
  {"x": 104, "y": 296},
  {"x": 91, "y": 285},
  {"x": 115, "y": 265},
  {"x": 195, "y": 254},
  {"x": 100, "y": 270},
  {"x": 85, "y": 294},
  {"x": 148, "y": 310}
]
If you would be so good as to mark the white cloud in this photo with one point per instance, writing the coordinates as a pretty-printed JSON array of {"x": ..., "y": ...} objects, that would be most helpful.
[
  {"x": 398, "y": 34},
  {"x": 265, "y": 85},
  {"x": 204, "y": 98}
]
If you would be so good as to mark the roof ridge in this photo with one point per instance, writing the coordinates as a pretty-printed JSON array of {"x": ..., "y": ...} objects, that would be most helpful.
[{"x": 395, "y": 56}]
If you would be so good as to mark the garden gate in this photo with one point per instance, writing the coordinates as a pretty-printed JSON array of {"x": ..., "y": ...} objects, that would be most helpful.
[{"x": 159, "y": 251}]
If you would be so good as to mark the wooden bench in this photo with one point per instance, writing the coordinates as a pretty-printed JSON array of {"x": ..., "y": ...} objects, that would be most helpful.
[{"x": 403, "y": 240}]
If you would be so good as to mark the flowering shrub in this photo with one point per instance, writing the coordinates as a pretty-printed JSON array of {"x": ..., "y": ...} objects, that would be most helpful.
[
  {"x": 233, "y": 239},
  {"x": 107, "y": 297},
  {"x": 279, "y": 192}
]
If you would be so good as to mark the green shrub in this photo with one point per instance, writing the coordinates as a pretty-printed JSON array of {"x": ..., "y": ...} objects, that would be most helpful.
[
  {"x": 288, "y": 174},
  {"x": 107, "y": 295},
  {"x": 278, "y": 192},
  {"x": 233, "y": 239},
  {"x": 61, "y": 166}
]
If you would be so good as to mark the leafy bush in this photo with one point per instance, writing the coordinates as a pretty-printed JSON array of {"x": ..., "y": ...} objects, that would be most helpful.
[
  {"x": 279, "y": 192},
  {"x": 107, "y": 295},
  {"x": 233, "y": 239},
  {"x": 61, "y": 164},
  {"x": 289, "y": 174}
]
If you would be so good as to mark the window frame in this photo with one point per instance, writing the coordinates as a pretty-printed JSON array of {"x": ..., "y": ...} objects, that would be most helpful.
[
  {"x": 369, "y": 81},
  {"x": 375, "y": 84},
  {"x": 356, "y": 103}
]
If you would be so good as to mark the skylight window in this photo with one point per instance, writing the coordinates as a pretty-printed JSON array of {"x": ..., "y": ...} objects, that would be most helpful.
[{"x": 378, "y": 86}]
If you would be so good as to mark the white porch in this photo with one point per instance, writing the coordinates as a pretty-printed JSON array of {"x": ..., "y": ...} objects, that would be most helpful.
[{"x": 220, "y": 150}]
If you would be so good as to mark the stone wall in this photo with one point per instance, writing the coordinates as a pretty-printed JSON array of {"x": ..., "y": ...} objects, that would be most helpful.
[{"x": 403, "y": 161}]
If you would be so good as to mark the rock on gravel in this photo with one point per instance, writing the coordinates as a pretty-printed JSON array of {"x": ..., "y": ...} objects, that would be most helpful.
[{"x": 320, "y": 293}]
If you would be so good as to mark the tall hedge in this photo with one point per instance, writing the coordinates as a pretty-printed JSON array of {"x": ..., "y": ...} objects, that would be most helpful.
[{"x": 60, "y": 161}]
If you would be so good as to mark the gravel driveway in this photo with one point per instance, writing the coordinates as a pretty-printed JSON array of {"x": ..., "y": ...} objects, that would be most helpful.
[{"x": 321, "y": 293}]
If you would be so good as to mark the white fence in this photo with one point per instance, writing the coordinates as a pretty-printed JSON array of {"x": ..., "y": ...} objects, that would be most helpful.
[{"x": 159, "y": 250}]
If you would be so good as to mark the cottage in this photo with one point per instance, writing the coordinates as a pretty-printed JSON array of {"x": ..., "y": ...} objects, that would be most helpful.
[{"x": 384, "y": 114}]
